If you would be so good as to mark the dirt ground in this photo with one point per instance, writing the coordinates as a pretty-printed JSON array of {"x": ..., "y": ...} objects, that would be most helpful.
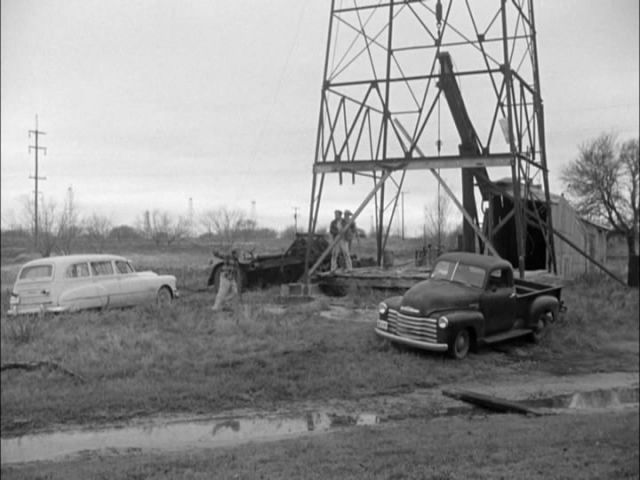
[{"x": 422, "y": 434}]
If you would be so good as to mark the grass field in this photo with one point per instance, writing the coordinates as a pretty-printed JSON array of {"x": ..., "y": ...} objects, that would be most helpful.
[{"x": 145, "y": 361}]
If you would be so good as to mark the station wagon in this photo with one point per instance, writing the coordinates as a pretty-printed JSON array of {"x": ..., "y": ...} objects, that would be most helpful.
[{"x": 78, "y": 282}]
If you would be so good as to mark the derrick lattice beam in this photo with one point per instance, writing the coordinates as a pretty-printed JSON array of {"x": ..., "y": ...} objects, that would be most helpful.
[{"x": 390, "y": 61}]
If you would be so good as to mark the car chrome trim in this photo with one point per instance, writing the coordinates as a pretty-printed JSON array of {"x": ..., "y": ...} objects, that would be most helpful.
[
  {"x": 437, "y": 347},
  {"x": 407, "y": 309}
]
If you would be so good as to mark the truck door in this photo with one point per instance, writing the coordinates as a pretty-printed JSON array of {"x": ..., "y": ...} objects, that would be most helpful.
[{"x": 498, "y": 301}]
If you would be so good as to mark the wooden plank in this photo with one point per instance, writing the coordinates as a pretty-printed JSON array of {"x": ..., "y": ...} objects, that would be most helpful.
[
  {"x": 491, "y": 403},
  {"x": 399, "y": 278}
]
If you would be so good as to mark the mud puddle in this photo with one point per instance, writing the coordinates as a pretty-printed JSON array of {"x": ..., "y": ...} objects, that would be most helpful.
[
  {"x": 590, "y": 400},
  {"x": 212, "y": 432},
  {"x": 174, "y": 436}
]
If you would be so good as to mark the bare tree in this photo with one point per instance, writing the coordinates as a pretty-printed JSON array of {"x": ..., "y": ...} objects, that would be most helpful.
[
  {"x": 68, "y": 225},
  {"x": 47, "y": 228},
  {"x": 225, "y": 223},
  {"x": 97, "y": 228},
  {"x": 162, "y": 227},
  {"x": 603, "y": 182},
  {"x": 178, "y": 229},
  {"x": 436, "y": 218}
]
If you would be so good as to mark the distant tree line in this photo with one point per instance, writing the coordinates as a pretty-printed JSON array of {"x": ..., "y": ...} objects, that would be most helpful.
[{"x": 61, "y": 230}]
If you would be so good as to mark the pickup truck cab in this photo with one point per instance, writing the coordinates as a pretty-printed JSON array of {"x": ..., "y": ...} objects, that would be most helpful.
[{"x": 469, "y": 299}]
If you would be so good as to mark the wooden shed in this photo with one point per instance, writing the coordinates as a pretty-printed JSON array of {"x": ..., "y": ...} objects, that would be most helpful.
[{"x": 588, "y": 236}]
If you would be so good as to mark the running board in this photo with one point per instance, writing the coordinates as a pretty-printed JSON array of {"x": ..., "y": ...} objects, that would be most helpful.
[{"x": 499, "y": 337}]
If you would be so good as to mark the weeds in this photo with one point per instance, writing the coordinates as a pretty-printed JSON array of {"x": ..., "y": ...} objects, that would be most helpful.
[
  {"x": 187, "y": 358},
  {"x": 21, "y": 330}
]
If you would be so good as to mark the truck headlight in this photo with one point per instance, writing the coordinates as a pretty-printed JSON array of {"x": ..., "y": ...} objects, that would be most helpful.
[
  {"x": 383, "y": 308},
  {"x": 443, "y": 322}
]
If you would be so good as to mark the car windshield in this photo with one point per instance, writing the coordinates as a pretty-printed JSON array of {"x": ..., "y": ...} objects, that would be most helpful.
[{"x": 458, "y": 272}]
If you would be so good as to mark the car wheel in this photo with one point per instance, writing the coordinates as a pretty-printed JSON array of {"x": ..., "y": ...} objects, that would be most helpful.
[
  {"x": 216, "y": 279},
  {"x": 211, "y": 281},
  {"x": 460, "y": 345},
  {"x": 541, "y": 328},
  {"x": 164, "y": 297}
]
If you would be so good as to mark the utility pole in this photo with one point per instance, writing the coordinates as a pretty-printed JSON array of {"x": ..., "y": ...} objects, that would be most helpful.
[
  {"x": 36, "y": 148},
  {"x": 295, "y": 218}
]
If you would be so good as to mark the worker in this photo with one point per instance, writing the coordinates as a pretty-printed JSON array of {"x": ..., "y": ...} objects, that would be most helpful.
[
  {"x": 229, "y": 275},
  {"x": 352, "y": 232},
  {"x": 334, "y": 229},
  {"x": 345, "y": 241}
]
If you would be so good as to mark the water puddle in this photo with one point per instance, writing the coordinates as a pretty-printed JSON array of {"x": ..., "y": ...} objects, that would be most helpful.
[
  {"x": 595, "y": 399},
  {"x": 173, "y": 436}
]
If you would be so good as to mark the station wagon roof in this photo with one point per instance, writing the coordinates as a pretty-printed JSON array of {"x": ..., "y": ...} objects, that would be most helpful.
[
  {"x": 68, "y": 259},
  {"x": 483, "y": 261}
]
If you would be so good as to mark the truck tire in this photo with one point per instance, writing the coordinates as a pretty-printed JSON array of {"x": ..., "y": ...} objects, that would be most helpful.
[
  {"x": 460, "y": 344},
  {"x": 543, "y": 318},
  {"x": 214, "y": 279}
]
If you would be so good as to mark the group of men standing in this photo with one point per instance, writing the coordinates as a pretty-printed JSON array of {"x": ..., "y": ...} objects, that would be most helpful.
[
  {"x": 343, "y": 245},
  {"x": 228, "y": 286}
]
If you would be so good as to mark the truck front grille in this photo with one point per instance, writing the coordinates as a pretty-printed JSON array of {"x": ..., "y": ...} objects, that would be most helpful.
[{"x": 416, "y": 328}]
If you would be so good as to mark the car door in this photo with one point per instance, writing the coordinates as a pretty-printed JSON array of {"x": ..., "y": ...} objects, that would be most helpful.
[
  {"x": 498, "y": 301},
  {"x": 104, "y": 276},
  {"x": 78, "y": 289},
  {"x": 132, "y": 286}
]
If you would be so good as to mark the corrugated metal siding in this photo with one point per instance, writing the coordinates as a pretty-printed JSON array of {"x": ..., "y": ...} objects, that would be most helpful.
[{"x": 591, "y": 239}]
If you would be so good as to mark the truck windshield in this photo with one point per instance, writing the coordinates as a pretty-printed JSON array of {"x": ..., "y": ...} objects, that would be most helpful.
[{"x": 459, "y": 272}]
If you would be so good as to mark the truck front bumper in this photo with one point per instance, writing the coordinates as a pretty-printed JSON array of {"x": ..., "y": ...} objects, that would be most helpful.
[{"x": 436, "y": 347}]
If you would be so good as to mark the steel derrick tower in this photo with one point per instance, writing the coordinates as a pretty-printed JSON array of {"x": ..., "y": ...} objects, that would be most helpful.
[{"x": 399, "y": 76}]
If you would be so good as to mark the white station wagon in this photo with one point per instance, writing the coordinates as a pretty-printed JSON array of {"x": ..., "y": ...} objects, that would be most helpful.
[{"x": 77, "y": 282}]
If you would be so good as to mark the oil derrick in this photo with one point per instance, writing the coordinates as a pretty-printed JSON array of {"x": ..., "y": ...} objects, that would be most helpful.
[{"x": 389, "y": 67}]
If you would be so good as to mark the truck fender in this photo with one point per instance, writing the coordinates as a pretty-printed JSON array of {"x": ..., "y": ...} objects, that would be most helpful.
[
  {"x": 542, "y": 304},
  {"x": 470, "y": 319}
]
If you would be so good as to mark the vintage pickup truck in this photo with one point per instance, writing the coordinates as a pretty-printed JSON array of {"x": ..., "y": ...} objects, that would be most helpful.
[
  {"x": 276, "y": 268},
  {"x": 469, "y": 299}
]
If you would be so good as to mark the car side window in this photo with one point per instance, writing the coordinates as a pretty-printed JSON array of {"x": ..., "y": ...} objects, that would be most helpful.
[
  {"x": 498, "y": 279},
  {"x": 77, "y": 270},
  {"x": 123, "y": 267},
  {"x": 102, "y": 268}
]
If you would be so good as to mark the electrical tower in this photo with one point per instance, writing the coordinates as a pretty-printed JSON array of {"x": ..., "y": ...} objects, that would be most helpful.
[
  {"x": 389, "y": 65},
  {"x": 36, "y": 148}
]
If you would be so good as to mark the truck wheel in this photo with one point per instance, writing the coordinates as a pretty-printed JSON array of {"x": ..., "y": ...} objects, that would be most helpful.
[
  {"x": 541, "y": 328},
  {"x": 460, "y": 345},
  {"x": 214, "y": 279}
]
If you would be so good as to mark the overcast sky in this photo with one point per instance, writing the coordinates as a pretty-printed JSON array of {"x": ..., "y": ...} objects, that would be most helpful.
[{"x": 149, "y": 103}]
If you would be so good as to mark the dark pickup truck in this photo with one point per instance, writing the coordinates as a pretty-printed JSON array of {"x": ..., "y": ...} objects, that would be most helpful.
[
  {"x": 469, "y": 299},
  {"x": 273, "y": 269}
]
